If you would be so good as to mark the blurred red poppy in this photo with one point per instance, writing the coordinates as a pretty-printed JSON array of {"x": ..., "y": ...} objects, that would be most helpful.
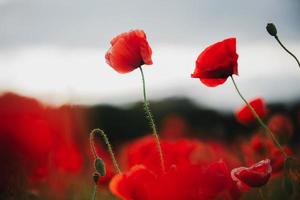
[
  {"x": 244, "y": 114},
  {"x": 256, "y": 175},
  {"x": 259, "y": 144},
  {"x": 173, "y": 127},
  {"x": 277, "y": 159},
  {"x": 194, "y": 182},
  {"x": 143, "y": 151},
  {"x": 217, "y": 62},
  {"x": 25, "y": 136},
  {"x": 129, "y": 51},
  {"x": 256, "y": 148},
  {"x": 37, "y": 143},
  {"x": 179, "y": 152},
  {"x": 67, "y": 158},
  {"x": 281, "y": 126},
  {"x": 133, "y": 184}
]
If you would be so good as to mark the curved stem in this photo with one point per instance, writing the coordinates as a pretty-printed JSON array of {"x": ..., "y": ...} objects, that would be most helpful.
[
  {"x": 152, "y": 123},
  {"x": 276, "y": 37},
  {"x": 92, "y": 145},
  {"x": 109, "y": 147},
  {"x": 263, "y": 125}
]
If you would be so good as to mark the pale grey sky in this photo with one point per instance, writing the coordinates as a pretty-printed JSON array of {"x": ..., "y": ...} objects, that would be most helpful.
[
  {"x": 54, "y": 50},
  {"x": 92, "y": 23}
]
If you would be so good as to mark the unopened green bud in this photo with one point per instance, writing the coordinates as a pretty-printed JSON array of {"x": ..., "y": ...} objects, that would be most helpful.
[
  {"x": 271, "y": 28},
  {"x": 96, "y": 177},
  {"x": 100, "y": 166}
]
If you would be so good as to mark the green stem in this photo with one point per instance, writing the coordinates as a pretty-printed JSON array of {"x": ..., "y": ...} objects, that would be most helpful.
[
  {"x": 109, "y": 147},
  {"x": 94, "y": 192},
  {"x": 276, "y": 37},
  {"x": 152, "y": 123},
  {"x": 263, "y": 125},
  {"x": 261, "y": 194}
]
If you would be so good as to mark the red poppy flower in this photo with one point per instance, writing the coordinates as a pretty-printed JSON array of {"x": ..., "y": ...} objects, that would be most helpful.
[
  {"x": 245, "y": 116},
  {"x": 255, "y": 176},
  {"x": 194, "y": 182},
  {"x": 129, "y": 51},
  {"x": 217, "y": 62}
]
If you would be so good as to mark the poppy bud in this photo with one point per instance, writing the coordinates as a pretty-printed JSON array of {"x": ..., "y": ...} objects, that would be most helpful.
[
  {"x": 95, "y": 177},
  {"x": 100, "y": 166},
  {"x": 271, "y": 28}
]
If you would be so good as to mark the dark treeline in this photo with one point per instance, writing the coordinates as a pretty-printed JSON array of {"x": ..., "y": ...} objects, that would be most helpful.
[{"x": 128, "y": 122}]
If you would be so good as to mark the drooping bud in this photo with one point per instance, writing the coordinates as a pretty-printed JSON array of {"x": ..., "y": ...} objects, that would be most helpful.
[
  {"x": 271, "y": 28},
  {"x": 96, "y": 177},
  {"x": 100, "y": 166}
]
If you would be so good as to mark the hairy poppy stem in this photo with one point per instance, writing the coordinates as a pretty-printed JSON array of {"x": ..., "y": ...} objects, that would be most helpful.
[
  {"x": 263, "y": 125},
  {"x": 276, "y": 37},
  {"x": 109, "y": 147},
  {"x": 94, "y": 193},
  {"x": 261, "y": 194},
  {"x": 151, "y": 121}
]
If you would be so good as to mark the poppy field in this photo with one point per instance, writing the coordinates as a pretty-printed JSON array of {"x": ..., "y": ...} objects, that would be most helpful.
[{"x": 153, "y": 150}]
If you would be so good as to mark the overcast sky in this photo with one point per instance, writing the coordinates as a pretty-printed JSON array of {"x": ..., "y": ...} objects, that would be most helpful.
[{"x": 54, "y": 50}]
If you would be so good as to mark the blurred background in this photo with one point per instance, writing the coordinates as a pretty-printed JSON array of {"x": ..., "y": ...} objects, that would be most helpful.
[{"x": 55, "y": 85}]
